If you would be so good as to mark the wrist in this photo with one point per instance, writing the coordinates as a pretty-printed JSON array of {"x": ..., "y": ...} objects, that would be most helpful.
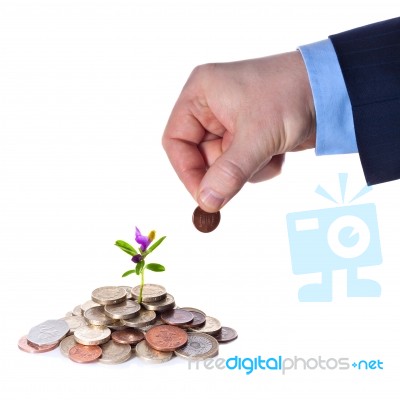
[{"x": 334, "y": 117}]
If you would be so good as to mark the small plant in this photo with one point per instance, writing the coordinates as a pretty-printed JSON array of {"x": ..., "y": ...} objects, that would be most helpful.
[{"x": 139, "y": 256}]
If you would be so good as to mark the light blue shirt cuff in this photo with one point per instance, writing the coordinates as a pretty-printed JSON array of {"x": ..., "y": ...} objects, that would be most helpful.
[{"x": 335, "y": 126}]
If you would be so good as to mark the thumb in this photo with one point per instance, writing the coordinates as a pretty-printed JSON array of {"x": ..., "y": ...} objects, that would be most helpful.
[{"x": 227, "y": 175}]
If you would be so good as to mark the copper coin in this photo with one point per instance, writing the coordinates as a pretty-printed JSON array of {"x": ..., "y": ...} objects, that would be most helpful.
[
  {"x": 177, "y": 317},
  {"x": 84, "y": 354},
  {"x": 226, "y": 335},
  {"x": 166, "y": 337},
  {"x": 205, "y": 222},
  {"x": 25, "y": 346},
  {"x": 128, "y": 336},
  {"x": 199, "y": 319}
]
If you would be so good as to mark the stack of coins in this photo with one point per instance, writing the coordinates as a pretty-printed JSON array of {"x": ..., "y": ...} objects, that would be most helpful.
[{"x": 112, "y": 327}]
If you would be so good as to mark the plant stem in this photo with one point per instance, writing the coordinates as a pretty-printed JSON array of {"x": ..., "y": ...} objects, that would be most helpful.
[{"x": 141, "y": 286}]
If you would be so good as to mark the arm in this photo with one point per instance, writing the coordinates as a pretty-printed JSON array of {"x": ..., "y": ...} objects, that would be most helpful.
[
  {"x": 369, "y": 58},
  {"x": 234, "y": 122}
]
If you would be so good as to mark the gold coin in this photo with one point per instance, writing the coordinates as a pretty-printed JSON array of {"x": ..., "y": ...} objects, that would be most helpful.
[{"x": 92, "y": 335}]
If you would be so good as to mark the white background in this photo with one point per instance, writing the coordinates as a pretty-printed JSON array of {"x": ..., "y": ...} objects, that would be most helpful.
[{"x": 86, "y": 88}]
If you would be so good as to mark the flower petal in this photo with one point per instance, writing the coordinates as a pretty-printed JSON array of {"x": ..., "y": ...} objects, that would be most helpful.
[
  {"x": 137, "y": 258},
  {"x": 144, "y": 241}
]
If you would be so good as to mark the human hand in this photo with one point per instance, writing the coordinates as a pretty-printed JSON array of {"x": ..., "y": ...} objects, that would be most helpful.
[{"x": 233, "y": 123}]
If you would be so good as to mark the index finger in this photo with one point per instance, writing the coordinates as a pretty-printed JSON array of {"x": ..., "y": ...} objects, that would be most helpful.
[{"x": 189, "y": 124}]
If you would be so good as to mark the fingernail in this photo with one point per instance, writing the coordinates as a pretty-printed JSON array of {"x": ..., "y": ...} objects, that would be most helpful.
[{"x": 210, "y": 199}]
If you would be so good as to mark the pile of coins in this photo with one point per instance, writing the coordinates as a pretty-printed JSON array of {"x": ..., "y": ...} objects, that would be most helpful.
[{"x": 112, "y": 327}]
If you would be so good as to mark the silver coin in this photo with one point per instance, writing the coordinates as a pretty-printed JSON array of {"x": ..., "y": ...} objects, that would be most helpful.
[
  {"x": 199, "y": 346},
  {"x": 156, "y": 322},
  {"x": 211, "y": 327},
  {"x": 226, "y": 335},
  {"x": 177, "y": 317},
  {"x": 91, "y": 335},
  {"x": 115, "y": 353},
  {"x": 77, "y": 310},
  {"x": 151, "y": 293},
  {"x": 109, "y": 295},
  {"x": 74, "y": 322},
  {"x": 193, "y": 309},
  {"x": 25, "y": 346},
  {"x": 96, "y": 316},
  {"x": 128, "y": 290},
  {"x": 163, "y": 305},
  {"x": 145, "y": 317},
  {"x": 147, "y": 353},
  {"x": 127, "y": 309},
  {"x": 198, "y": 320},
  {"x": 88, "y": 304},
  {"x": 67, "y": 344},
  {"x": 48, "y": 333},
  {"x": 117, "y": 325}
]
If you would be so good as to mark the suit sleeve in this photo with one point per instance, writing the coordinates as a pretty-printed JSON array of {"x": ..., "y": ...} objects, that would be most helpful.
[{"x": 369, "y": 58}]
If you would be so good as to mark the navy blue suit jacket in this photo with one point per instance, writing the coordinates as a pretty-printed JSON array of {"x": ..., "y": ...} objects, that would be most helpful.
[{"x": 370, "y": 61}]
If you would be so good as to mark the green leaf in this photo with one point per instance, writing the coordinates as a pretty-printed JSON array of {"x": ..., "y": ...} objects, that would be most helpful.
[
  {"x": 155, "y": 267},
  {"x": 126, "y": 247},
  {"x": 131, "y": 271},
  {"x": 156, "y": 244},
  {"x": 139, "y": 267}
]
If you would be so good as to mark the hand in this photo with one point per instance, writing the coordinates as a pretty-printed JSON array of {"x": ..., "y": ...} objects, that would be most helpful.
[{"x": 234, "y": 122}]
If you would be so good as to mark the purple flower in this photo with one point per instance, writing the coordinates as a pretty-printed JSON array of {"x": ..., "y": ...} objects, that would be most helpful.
[
  {"x": 144, "y": 241},
  {"x": 137, "y": 258}
]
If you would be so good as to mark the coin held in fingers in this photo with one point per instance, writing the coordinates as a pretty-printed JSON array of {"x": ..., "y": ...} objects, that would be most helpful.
[{"x": 205, "y": 222}]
